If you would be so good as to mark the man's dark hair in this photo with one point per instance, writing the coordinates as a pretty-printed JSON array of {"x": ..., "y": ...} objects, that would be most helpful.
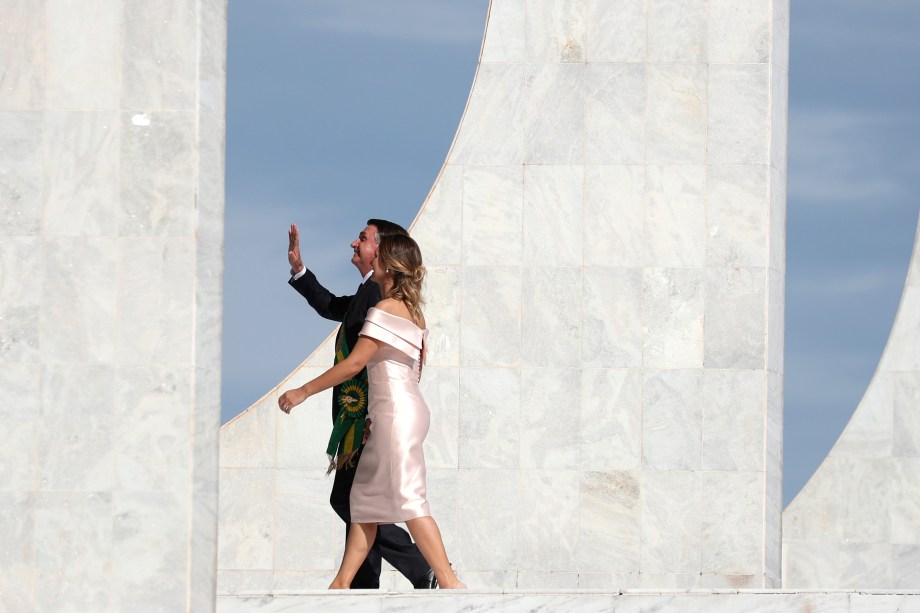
[{"x": 386, "y": 228}]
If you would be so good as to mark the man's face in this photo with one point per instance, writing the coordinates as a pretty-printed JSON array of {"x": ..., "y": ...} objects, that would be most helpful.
[{"x": 365, "y": 247}]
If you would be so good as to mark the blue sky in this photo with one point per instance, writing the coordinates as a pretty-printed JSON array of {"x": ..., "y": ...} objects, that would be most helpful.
[{"x": 338, "y": 111}]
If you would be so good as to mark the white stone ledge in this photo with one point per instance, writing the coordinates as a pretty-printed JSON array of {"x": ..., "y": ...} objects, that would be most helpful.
[{"x": 661, "y": 601}]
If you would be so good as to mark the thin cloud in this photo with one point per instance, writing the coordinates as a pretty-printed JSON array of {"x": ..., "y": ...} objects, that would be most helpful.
[{"x": 842, "y": 157}]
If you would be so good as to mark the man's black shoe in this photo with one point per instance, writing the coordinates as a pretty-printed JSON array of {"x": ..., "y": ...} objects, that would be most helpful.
[{"x": 429, "y": 583}]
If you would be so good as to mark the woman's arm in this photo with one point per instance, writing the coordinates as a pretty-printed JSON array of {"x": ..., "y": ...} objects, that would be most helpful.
[{"x": 344, "y": 370}]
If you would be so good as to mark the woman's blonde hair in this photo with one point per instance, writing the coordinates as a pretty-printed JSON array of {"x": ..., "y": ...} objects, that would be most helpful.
[{"x": 400, "y": 256}]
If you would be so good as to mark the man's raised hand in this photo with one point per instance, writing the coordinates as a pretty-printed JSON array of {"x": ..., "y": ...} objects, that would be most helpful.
[{"x": 294, "y": 250}]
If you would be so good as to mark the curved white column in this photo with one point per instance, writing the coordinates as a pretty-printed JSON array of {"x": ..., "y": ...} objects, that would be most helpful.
[
  {"x": 605, "y": 245},
  {"x": 856, "y": 523}
]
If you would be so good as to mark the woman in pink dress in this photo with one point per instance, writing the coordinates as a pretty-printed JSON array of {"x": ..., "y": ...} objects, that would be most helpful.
[{"x": 389, "y": 484}]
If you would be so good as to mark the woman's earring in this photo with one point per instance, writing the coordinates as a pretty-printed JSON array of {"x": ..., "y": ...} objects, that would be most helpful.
[{"x": 387, "y": 271}]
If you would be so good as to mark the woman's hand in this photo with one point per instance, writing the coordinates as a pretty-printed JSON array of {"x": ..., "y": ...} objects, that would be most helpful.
[{"x": 291, "y": 399}]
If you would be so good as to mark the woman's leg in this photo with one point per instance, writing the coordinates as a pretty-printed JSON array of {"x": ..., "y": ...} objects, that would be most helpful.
[
  {"x": 427, "y": 536},
  {"x": 360, "y": 539}
]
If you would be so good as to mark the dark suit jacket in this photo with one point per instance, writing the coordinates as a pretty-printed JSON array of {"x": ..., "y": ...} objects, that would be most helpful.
[{"x": 349, "y": 310}]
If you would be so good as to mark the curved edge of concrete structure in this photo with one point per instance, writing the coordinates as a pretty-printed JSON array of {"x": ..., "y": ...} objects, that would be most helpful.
[{"x": 855, "y": 523}]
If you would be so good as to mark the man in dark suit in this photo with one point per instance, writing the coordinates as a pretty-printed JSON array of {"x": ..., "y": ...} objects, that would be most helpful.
[{"x": 349, "y": 402}]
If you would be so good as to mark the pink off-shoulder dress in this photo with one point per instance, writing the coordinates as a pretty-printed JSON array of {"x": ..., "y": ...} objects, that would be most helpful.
[{"x": 389, "y": 484}]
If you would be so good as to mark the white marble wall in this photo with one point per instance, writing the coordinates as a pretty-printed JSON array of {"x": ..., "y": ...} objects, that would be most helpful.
[
  {"x": 857, "y": 521},
  {"x": 111, "y": 218},
  {"x": 605, "y": 245}
]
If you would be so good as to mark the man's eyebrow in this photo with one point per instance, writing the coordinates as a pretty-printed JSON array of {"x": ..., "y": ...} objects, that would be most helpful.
[{"x": 362, "y": 235}]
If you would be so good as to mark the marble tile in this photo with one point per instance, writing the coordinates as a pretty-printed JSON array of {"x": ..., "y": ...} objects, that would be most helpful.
[
  {"x": 670, "y": 523},
  {"x": 504, "y": 37},
  {"x": 295, "y": 580},
  {"x": 677, "y": 114},
  {"x": 548, "y": 396},
  {"x": 617, "y": 30},
  {"x": 905, "y": 501},
  {"x": 552, "y": 225},
  {"x": 146, "y": 551},
  {"x": 76, "y": 432},
  {"x": 554, "y": 112},
  {"x": 80, "y": 187},
  {"x": 906, "y": 398},
  {"x": 869, "y": 433},
  {"x": 905, "y": 565},
  {"x": 490, "y": 410},
  {"x": 729, "y": 603},
  {"x": 161, "y": 70},
  {"x": 248, "y": 441},
  {"x": 496, "y": 106},
  {"x": 732, "y": 522},
  {"x": 156, "y": 315},
  {"x": 548, "y": 523},
  {"x": 18, "y": 586},
  {"x": 75, "y": 42},
  {"x": 614, "y": 201},
  {"x": 246, "y": 526},
  {"x": 901, "y": 353},
  {"x": 806, "y": 517},
  {"x": 23, "y": 47},
  {"x": 862, "y": 564},
  {"x": 672, "y": 314},
  {"x": 240, "y": 581},
  {"x": 669, "y": 581},
  {"x": 735, "y": 318},
  {"x": 78, "y": 317},
  {"x": 737, "y": 216},
  {"x": 20, "y": 299},
  {"x": 158, "y": 162},
  {"x": 777, "y": 221},
  {"x": 151, "y": 437},
  {"x": 551, "y": 321},
  {"x": 74, "y": 537},
  {"x": 489, "y": 527},
  {"x": 862, "y": 512},
  {"x": 611, "y": 327},
  {"x": 677, "y": 31},
  {"x": 739, "y": 32},
  {"x": 609, "y": 521},
  {"x": 773, "y": 437},
  {"x": 739, "y": 114},
  {"x": 443, "y": 303},
  {"x": 490, "y": 324},
  {"x": 611, "y": 419},
  {"x": 776, "y": 321},
  {"x": 553, "y": 580},
  {"x": 304, "y": 534},
  {"x": 881, "y": 603},
  {"x": 212, "y": 57},
  {"x": 441, "y": 389},
  {"x": 676, "y": 218},
  {"x": 301, "y": 437},
  {"x": 734, "y": 420},
  {"x": 446, "y": 508},
  {"x": 438, "y": 227},
  {"x": 671, "y": 419},
  {"x": 493, "y": 215},
  {"x": 779, "y": 45},
  {"x": 615, "y": 101},
  {"x": 19, "y": 413},
  {"x": 21, "y": 173},
  {"x": 554, "y": 31},
  {"x": 731, "y": 582},
  {"x": 779, "y": 119}
]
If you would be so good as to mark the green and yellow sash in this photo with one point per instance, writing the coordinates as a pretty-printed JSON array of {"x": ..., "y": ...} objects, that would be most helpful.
[{"x": 348, "y": 429}]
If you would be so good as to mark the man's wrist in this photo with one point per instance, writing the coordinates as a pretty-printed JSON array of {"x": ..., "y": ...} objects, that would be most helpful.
[{"x": 297, "y": 273}]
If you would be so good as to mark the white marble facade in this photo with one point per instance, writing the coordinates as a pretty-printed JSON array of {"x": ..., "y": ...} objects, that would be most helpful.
[
  {"x": 606, "y": 248},
  {"x": 111, "y": 233},
  {"x": 856, "y": 523}
]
